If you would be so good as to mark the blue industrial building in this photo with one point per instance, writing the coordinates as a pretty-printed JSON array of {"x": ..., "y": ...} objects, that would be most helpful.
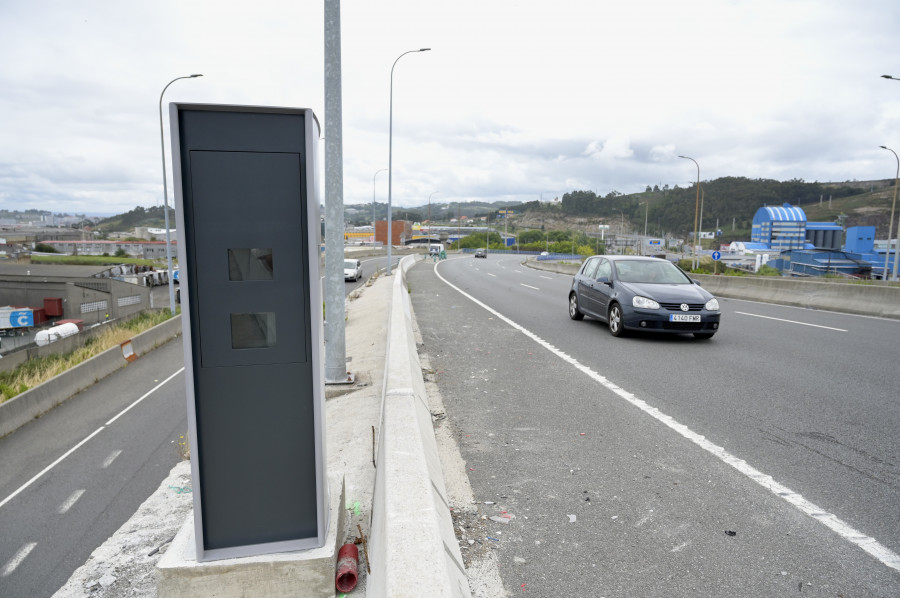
[
  {"x": 817, "y": 248},
  {"x": 780, "y": 228}
]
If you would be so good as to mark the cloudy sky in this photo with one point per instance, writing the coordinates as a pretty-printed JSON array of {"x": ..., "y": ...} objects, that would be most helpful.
[{"x": 517, "y": 99}]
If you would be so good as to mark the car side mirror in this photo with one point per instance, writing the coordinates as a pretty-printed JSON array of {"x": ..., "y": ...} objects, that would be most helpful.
[
  {"x": 696, "y": 282},
  {"x": 605, "y": 280}
]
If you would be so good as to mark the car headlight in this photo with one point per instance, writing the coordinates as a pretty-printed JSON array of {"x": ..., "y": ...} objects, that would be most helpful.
[
  {"x": 644, "y": 303},
  {"x": 712, "y": 304}
]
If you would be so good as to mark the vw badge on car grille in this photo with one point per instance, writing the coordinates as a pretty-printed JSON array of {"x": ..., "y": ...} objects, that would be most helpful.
[{"x": 684, "y": 307}]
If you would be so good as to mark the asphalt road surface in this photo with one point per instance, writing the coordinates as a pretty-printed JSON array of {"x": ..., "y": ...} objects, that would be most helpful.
[
  {"x": 762, "y": 462},
  {"x": 72, "y": 477}
]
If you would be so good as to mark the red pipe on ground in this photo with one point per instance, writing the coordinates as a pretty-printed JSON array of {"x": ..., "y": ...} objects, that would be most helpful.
[{"x": 347, "y": 568}]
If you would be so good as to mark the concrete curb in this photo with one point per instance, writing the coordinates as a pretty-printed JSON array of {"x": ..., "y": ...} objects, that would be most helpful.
[
  {"x": 36, "y": 401},
  {"x": 413, "y": 544}
]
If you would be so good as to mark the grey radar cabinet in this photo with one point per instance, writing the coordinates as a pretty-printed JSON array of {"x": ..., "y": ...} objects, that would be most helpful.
[{"x": 248, "y": 229}]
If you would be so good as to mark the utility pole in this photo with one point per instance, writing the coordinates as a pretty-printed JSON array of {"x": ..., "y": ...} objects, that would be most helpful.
[{"x": 335, "y": 339}]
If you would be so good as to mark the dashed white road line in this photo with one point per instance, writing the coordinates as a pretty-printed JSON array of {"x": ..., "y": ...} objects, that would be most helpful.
[
  {"x": 70, "y": 502},
  {"x": 17, "y": 559},
  {"x": 112, "y": 457},
  {"x": 848, "y": 533},
  {"x": 529, "y": 286},
  {"x": 40, "y": 474},
  {"x": 51, "y": 466}
]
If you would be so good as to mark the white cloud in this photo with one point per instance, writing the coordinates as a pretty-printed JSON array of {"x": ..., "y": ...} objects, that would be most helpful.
[{"x": 517, "y": 98}]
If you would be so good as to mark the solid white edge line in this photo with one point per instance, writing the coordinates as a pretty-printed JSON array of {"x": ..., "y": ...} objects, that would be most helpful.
[
  {"x": 51, "y": 466},
  {"x": 149, "y": 392},
  {"x": 743, "y": 313},
  {"x": 17, "y": 559},
  {"x": 866, "y": 543},
  {"x": 77, "y": 446}
]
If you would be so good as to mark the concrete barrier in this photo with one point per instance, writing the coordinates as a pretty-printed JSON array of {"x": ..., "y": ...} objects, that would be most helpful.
[
  {"x": 564, "y": 268},
  {"x": 36, "y": 401},
  {"x": 412, "y": 542},
  {"x": 864, "y": 299}
]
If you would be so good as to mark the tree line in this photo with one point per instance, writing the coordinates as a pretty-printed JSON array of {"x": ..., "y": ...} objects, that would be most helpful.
[{"x": 672, "y": 210}]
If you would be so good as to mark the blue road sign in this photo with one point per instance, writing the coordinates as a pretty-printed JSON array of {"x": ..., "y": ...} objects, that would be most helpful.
[{"x": 716, "y": 255}]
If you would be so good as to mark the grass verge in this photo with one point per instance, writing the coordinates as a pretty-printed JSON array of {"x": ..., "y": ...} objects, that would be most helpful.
[{"x": 39, "y": 370}]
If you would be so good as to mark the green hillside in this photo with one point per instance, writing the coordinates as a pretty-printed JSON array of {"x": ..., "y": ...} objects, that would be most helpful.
[
  {"x": 153, "y": 217},
  {"x": 729, "y": 202}
]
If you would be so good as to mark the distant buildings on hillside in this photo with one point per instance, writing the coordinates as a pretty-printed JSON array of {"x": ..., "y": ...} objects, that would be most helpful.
[{"x": 798, "y": 247}]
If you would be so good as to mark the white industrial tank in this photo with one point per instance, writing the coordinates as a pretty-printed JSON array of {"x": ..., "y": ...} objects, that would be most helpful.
[{"x": 45, "y": 337}]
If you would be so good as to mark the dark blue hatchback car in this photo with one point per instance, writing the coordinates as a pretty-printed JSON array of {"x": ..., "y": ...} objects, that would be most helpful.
[{"x": 642, "y": 293}]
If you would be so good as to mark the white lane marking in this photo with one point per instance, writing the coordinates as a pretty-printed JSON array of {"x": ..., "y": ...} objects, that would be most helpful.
[
  {"x": 70, "y": 502},
  {"x": 112, "y": 457},
  {"x": 743, "y": 313},
  {"x": 866, "y": 543},
  {"x": 547, "y": 277},
  {"x": 80, "y": 444},
  {"x": 494, "y": 275},
  {"x": 149, "y": 392},
  {"x": 51, "y": 466},
  {"x": 17, "y": 559},
  {"x": 529, "y": 286}
]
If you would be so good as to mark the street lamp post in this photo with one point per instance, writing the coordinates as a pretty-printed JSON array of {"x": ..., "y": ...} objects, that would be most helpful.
[
  {"x": 390, "y": 156},
  {"x": 374, "y": 218},
  {"x": 696, "y": 207},
  {"x": 891, "y": 223},
  {"x": 429, "y": 208},
  {"x": 646, "y": 213},
  {"x": 162, "y": 145}
]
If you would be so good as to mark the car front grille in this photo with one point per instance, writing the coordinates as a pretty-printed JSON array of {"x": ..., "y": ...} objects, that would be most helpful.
[{"x": 677, "y": 306}]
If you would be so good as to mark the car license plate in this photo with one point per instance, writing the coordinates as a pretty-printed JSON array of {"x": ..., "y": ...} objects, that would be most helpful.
[{"x": 684, "y": 317}]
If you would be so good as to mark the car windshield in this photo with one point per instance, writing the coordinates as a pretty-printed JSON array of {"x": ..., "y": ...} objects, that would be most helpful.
[
  {"x": 641, "y": 271},
  {"x": 350, "y": 264}
]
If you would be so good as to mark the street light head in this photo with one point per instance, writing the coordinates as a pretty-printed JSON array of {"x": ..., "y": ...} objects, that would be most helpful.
[
  {"x": 886, "y": 77},
  {"x": 197, "y": 75},
  {"x": 425, "y": 50}
]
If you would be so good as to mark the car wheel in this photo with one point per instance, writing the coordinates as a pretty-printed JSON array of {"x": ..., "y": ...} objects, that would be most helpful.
[
  {"x": 574, "y": 312},
  {"x": 616, "y": 326},
  {"x": 704, "y": 335}
]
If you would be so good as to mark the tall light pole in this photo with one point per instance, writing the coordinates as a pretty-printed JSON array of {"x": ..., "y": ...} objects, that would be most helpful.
[
  {"x": 646, "y": 213},
  {"x": 162, "y": 146},
  {"x": 891, "y": 223},
  {"x": 374, "y": 218},
  {"x": 429, "y": 209},
  {"x": 390, "y": 156},
  {"x": 696, "y": 206}
]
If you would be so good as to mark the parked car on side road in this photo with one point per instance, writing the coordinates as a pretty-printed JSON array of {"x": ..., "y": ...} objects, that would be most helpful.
[
  {"x": 352, "y": 270},
  {"x": 642, "y": 293},
  {"x": 481, "y": 253}
]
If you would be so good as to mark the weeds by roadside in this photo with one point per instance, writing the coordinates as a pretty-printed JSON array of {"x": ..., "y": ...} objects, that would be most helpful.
[{"x": 36, "y": 371}]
